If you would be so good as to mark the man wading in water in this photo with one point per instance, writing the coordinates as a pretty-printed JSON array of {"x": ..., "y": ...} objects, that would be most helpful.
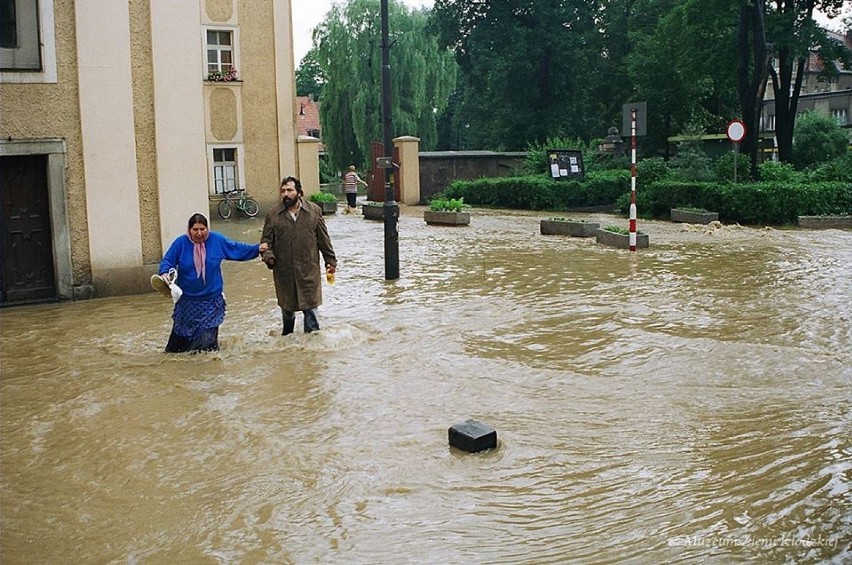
[{"x": 296, "y": 235}]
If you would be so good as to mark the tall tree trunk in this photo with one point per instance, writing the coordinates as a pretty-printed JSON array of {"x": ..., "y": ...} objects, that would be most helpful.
[
  {"x": 786, "y": 101},
  {"x": 752, "y": 73}
]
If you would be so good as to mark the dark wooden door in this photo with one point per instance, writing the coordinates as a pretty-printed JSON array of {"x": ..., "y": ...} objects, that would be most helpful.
[
  {"x": 376, "y": 190},
  {"x": 26, "y": 249}
]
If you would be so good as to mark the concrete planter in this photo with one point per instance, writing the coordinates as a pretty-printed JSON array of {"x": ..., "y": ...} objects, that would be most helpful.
[
  {"x": 446, "y": 218},
  {"x": 328, "y": 208},
  {"x": 376, "y": 211},
  {"x": 621, "y": 241},
  {"x": 825, "y": 222},
  {"x": 694, "y": 216},
  {"x": 569, "y": 227}
]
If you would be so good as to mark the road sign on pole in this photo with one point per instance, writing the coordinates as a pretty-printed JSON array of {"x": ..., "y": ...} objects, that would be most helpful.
[
  {"x": 736, "y": 133},
  {"x": 637, "y": 111}
]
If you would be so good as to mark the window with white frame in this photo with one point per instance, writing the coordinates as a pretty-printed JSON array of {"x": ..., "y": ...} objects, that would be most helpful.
[
  {"x": 19, "y": 36},
  {"x": 840, "y": 115},
  {"x": 225, "y": 177},
  {"x": 220, "y": 51}
]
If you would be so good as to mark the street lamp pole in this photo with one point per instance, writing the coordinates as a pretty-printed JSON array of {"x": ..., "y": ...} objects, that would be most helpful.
[{"x": 391, "y": 209}]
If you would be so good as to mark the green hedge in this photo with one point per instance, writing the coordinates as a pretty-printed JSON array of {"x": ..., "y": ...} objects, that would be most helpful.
[
  {"x": 773, "y": 203},
  {"x": 746, "y": 203},
  {"x": 538, "y": 192}
]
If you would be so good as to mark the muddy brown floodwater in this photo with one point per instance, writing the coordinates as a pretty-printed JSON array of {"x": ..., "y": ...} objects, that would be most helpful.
[{"x": 688, "y": 402}]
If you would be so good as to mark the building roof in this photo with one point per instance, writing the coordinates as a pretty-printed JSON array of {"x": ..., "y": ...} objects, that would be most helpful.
[{"x": 307, "y": 116}]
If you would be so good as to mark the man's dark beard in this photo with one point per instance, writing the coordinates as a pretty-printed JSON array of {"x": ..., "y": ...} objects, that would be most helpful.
[{"x": 289, "y": 202}]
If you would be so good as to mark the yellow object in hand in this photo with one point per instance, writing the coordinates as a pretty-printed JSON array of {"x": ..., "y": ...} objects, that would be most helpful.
[{"x": 329, "y": 277}]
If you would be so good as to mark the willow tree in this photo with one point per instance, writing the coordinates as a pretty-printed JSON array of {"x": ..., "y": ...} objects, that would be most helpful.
[{"x": 348, "y": 49}]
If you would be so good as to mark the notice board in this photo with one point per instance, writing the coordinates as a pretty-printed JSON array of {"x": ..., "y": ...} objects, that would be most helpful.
[{"x": 565, "y": 163}]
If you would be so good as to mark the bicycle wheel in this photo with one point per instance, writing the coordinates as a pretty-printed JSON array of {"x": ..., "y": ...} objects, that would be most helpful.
[
  {"x": 225, "y": 209},
  {"x": 250, "y": 207}
]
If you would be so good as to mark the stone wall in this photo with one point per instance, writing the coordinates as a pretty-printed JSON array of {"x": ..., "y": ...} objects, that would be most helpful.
[{"x": 439, "y": 168}]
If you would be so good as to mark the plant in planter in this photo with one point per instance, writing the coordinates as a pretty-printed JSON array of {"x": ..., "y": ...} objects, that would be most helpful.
[
  {"x": 617, "y": 236},
  {"x": 229, "y": 75},
  {"x": 568, "y": 226},
  {"x": 326, "y": 201},
  {"x": 694, "y": 215},
  {"x": 446, "y": 212}
]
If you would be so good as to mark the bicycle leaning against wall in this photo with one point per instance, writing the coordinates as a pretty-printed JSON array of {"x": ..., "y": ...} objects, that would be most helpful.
[{"x": 238, "y": 199}]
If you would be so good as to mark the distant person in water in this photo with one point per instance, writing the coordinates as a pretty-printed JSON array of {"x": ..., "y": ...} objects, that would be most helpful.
[
  {"x": 350, "y": 187},
  {"x": 197, "y": 256}
]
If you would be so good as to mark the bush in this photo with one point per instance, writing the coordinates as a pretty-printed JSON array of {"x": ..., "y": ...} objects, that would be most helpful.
[
  {"x": 539, "y": 192},
  {"x": 776, "y": 171},
  {"x": 538, "y": 162},
  {"x": 818, "y": 138},
  {"x": 839, "y": 169},
  {"x": 691, "y": 162},
  {"x": 322, "y": 197},
  {"x": 725, "y": 167},
  {"x": 747, "y": 203},
  {"x": 441, "y": 204},
  {"x": 657, "y": 199},
  {"x": 652, "y": 169}
]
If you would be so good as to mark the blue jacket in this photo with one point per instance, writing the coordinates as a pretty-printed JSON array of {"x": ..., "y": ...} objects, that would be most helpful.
[{"x": 218, "y": 248}]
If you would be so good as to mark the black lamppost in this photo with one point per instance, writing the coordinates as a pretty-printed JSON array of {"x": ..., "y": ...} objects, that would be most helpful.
[{"x": 391, "y": 209}]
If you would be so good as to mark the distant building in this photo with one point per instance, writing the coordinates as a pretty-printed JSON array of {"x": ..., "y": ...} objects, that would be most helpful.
[
  {"x": 118, "y": 120},
  {"x": 832, "y": 97},
  {"x": 308, "y": 120}
]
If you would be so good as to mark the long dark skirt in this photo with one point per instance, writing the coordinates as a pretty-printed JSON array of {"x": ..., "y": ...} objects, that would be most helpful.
[
  {"x": 196, "y": 324},
  {"x": 208, "y": 340}
]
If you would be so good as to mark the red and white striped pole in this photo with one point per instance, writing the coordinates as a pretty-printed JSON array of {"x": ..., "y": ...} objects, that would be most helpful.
[{"x": 633, "y": 179}]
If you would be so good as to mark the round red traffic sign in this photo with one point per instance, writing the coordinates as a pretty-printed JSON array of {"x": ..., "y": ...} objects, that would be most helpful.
[{"x": 736, "y": 131}]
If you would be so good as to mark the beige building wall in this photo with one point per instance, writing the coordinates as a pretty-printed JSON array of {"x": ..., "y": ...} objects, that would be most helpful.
[
  {"x": 178, "y": 114},
  {"x": 308, "y": 172},
  {"x": 250, "y": 114},
  {"x": 47, "y": 107},
  {"x": 120, "y": 110},
  {"x": 285, "y": 82},
  {"x": 109, "y": 149}
]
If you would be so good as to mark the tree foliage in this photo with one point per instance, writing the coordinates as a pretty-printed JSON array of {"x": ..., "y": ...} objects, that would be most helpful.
[
  {"x": 310, "y": 76},
  {"x": 791, "y": 34},
  {"x": 348, "y": 49},
  {"x": 819, "y": 138},
  {"x": 530, "y": 71},
  {"x": 525, "y": 68},
  {"x": 669, "y": 66}
]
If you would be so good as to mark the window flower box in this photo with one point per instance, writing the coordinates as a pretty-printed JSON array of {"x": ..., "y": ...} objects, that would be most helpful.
[{"x": 223, "y": 76}]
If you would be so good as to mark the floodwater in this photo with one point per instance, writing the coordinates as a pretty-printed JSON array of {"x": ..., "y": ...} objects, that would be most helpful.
[{"x": 687, "y": 402}]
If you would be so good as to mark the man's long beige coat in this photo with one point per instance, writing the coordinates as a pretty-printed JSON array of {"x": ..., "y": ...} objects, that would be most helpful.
[{"x": 296, "y": 247}]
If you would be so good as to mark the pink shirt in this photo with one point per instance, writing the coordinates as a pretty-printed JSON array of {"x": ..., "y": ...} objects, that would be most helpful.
[{"x": 350, "y": 182}]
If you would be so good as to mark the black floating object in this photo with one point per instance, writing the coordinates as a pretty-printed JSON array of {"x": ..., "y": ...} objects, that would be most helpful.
[{"x": 472, "y": 436}]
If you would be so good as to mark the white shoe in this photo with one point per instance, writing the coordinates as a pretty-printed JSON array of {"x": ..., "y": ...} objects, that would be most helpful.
[
  {"x": 166, "y": 285},
  {"x": 159, "y": 284}
]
